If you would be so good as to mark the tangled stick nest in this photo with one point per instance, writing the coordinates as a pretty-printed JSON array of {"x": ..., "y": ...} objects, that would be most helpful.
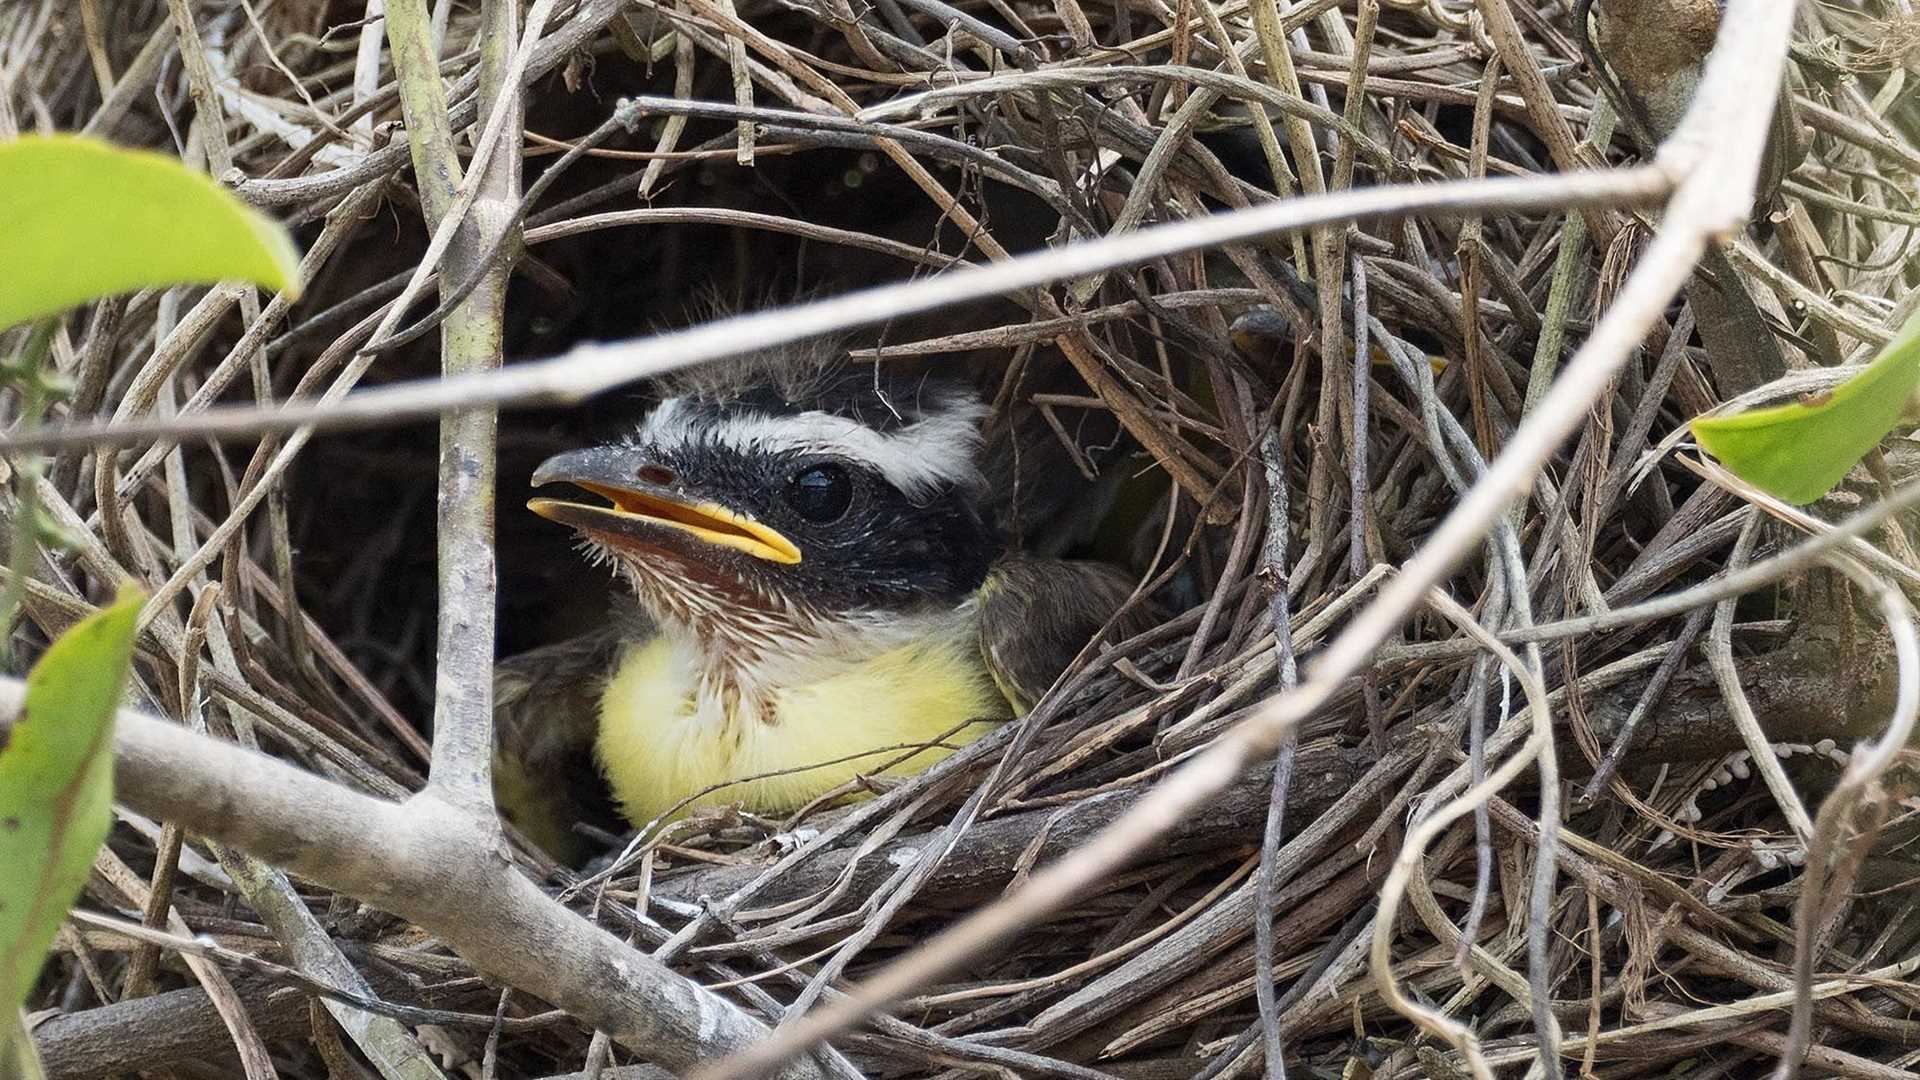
[{"x": 1667, "y": 940}]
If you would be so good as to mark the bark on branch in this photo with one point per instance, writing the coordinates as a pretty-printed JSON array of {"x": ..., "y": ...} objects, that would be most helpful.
[{"x": 430, "y": 863}]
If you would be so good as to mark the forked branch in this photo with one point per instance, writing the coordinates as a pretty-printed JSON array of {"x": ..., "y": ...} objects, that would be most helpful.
[{"x": 429, "y": 862}]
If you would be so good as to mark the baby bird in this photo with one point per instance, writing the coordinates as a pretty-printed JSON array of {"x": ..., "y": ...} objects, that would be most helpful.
[{"x": 826, "y": 589}]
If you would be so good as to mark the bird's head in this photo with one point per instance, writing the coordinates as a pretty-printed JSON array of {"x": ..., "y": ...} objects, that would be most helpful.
[{"x": 787, "y": 503}]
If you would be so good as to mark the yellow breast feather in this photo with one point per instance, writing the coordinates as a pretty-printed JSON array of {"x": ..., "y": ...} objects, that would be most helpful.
[{"x": 666, "y": 733}]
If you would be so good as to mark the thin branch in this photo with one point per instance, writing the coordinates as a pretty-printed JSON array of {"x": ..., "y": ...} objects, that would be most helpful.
[
  {"x": 471, "y": 342},
  {"x": 429, "y": 866},
  {"x": 1720, "y": 656},
  {"x": 1809, "y": 552},
  {"x": 1273, "y": 454},
  {"x": 592, "y": 369}
]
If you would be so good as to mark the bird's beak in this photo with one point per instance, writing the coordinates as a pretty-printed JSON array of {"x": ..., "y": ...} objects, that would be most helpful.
[{"x": 648, "y": 515}]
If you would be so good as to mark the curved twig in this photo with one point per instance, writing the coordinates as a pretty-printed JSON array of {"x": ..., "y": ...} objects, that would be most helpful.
[
  {"x": 594, "y": 368},
  {"x": 1867, "y": 763},
  {"x": 1394, "y": 888}
]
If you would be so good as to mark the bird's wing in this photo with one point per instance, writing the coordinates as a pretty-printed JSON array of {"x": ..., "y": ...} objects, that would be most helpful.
[
  {"x": 1037, "y": 614},
  {"x": 546, "y": 713}
]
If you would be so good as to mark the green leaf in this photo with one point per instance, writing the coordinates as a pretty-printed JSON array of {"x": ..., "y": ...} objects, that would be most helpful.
[
  {"x": 56, "y": 785},
  {"x": 80, "y": 219},
  {"x": 1798, "y": 451}
]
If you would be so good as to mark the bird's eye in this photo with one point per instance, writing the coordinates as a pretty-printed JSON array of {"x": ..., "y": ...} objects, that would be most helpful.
[{"x": 820, "y": 493}]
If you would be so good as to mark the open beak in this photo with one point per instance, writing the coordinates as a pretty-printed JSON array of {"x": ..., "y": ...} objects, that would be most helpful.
[{"x": 648, "y": 516}]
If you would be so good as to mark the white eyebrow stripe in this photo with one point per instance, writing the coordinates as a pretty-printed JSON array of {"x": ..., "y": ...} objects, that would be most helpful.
[{"x": 942, "y": 449}]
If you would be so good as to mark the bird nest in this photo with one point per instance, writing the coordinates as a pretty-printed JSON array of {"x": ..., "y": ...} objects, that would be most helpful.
[{"x": 1179, "y": 873}]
